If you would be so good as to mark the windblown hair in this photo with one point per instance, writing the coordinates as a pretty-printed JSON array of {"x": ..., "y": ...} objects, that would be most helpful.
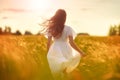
[{"x": 56, "y": 23}]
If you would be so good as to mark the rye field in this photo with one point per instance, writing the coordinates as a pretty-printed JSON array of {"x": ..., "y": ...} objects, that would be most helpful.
[{"x": 24, "y": 58}]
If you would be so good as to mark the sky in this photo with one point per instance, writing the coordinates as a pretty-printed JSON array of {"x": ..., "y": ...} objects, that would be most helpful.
[{"x": 84, "y": 16}]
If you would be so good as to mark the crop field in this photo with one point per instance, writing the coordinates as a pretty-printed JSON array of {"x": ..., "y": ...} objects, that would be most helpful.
[{"x": 25, "y": 58}]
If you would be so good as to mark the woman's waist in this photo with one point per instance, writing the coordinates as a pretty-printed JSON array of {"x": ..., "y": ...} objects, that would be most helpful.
[{"x": 60, "y": 41}]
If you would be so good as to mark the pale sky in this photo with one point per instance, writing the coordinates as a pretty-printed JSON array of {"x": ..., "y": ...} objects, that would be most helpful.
[{"x": 89, "y": 16}]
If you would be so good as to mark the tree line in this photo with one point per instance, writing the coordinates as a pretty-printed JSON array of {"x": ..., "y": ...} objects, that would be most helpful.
[
  {"x": 114, "y": 30},
  {"x": 7, "y": 31}
]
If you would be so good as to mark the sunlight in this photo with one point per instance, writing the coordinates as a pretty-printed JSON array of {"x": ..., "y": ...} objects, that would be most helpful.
[{"x": 38, "y": 4}]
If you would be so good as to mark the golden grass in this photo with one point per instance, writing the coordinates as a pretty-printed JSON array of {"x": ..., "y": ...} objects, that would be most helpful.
[{"x": 24, "y": 58}]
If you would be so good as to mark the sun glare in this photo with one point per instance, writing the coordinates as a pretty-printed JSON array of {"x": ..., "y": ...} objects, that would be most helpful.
[{"x": 38, "y": 4}]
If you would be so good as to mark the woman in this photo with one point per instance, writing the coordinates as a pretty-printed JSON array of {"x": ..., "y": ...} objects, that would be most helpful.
[{"x": 63, "y": 55}]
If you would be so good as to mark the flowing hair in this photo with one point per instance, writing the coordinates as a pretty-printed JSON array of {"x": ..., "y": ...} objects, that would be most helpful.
[{"x": 56, "y": 23}]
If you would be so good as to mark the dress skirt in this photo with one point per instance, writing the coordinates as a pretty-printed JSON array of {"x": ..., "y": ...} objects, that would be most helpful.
[{"x": 62, "y": 56}]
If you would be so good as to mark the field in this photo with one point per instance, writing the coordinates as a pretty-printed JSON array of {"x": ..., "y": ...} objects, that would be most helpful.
[{"x": 24, "y": 58}]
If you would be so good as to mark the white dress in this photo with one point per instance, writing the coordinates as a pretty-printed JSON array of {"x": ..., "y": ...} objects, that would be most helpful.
[{"x": 61, "y": 55}]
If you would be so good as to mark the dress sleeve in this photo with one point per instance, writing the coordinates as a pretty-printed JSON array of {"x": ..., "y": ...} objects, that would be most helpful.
[{"x": 71, "y": 32}]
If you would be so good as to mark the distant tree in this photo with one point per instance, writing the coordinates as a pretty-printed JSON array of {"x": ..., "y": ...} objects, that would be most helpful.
[
  {"x": 113, "y": 30},
  {"x": 27, "y": 33},
  {"x": 119, "y": 30},
  {"x": 17, "y": 32},
  {"x": 1, "y": 30},
  {"x": 38, "y": 33},
  {"x": 7, "y": 30},
  {"x": 84, "y": 34}
]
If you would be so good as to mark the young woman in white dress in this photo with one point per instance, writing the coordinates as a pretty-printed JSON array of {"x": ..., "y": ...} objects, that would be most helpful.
[{"x": 63, "y": 54}]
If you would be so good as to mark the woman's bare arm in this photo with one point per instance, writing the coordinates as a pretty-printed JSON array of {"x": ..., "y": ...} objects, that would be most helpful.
[
  {"x": 49, "y": 42},
  {"x": 72, "y": 43}
]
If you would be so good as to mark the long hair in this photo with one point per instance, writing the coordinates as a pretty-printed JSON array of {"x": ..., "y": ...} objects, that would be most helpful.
[{"x": 56, "y": 23}]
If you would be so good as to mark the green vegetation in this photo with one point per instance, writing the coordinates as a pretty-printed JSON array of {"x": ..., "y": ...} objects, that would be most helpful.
[
  {"x": 24, "y": 58},
  {"x": 114, "y": 30}
]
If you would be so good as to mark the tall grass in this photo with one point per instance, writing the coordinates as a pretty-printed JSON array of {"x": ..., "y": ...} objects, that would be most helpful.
[
  {"x": 102, "y": 62},
  {"x": 24, "y": 58}
]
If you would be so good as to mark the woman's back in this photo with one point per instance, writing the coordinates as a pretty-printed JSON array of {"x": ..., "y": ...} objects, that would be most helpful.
[{"x": 67, "y": 31}]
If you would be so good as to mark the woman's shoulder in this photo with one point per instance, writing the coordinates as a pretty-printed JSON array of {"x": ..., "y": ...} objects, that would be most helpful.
[{"x": 67, "y": 27}]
